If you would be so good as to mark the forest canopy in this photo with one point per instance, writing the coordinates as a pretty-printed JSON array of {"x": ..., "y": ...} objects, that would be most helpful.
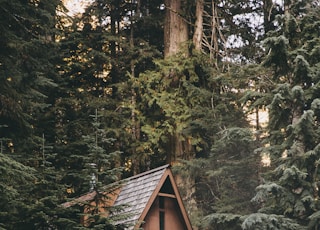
[{"x": 226, "y": 92}]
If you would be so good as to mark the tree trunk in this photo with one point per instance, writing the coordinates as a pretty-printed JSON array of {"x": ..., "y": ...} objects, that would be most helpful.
[
  {"x": 179, "y": 149},
  {"x": 135, "y": 125},
  {"x": 175, "y": 28},
  {"x": 267, "y": 15},
  {"x": 198, "y": 28},
  {"x": 175, "y": 40}
]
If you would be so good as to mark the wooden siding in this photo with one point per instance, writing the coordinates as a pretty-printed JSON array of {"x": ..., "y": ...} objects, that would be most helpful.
[{"x": 173, "y": 219}]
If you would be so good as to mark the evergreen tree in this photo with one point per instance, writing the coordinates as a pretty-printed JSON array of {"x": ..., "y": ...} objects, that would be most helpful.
[
  {"x": 153, "y": 111},
  {"x": 289, "y": 194},
  {"x": 27, "y": 66},
  {"x": 104, "y": 56},
  {"x": 85, "y": 85},
  {"x": 28, "y": 58},
  {"x": 15, "y": 178},
  {"x": 101, "y": 174}
]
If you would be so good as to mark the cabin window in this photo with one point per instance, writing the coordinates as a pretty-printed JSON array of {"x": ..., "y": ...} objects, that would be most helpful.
[
  {"x": 161, "y": 212},
  {"x": 161, "y": 202},
  {"x": 161, "y": 220}
]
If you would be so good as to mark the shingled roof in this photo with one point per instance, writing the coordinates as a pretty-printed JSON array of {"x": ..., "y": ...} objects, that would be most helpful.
[{"x": 138, "y": 193}]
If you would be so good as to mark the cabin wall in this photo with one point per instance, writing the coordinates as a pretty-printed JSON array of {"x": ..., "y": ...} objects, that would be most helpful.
[
  {"x": 168, "y": 217},
  {"x": 173, "y": 216},
  {"x": 152, "y": 219}
]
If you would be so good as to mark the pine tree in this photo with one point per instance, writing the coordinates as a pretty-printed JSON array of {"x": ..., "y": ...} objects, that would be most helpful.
[
  {"x": 86, "y": 85},
  {"x": 15, "y": 178},
  {"x": 100, "y": 173},
  {"x": 290, "y": 192},
  {"x": 103, "y": 61},
  {"x": 27, "y": 68},
  {"x": 27, "y": 57}
]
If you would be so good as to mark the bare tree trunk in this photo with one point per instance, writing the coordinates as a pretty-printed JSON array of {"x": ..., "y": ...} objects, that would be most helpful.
[
  {"x": 175, "y": 28},
  {"x": 267, "y": 20},
  {"x": 135, "y": 125},
  {"x": 212, "y": 35},
  {"x": 214, "y": 51},
  {"x": 286, "y": 5},
  {"x": 198, "y": 28}
]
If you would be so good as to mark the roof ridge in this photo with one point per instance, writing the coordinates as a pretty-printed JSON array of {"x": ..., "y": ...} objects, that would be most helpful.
[
  {"x": 120, "y": 185},
  {"x": 148, "y": 172}
]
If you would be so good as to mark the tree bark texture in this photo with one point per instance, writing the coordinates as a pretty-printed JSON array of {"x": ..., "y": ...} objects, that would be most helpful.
[
  {"x": 198, "y": 27},
  {"x": 175, "y": 28}
]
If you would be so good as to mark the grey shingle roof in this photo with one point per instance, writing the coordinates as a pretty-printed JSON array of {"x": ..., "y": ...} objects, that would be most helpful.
[
  {"x": 135, "y": 196},
  {"x": 136, "y": 193}
]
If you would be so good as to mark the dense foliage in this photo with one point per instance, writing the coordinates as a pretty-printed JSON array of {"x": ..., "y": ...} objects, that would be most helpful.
[{"x": 87, "y": 99}]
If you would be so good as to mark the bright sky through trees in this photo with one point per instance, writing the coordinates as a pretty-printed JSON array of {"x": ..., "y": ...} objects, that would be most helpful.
[{"x": 76, "y": 6}]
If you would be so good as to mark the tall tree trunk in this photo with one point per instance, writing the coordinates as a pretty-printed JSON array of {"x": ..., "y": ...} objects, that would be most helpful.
[
  {"x": 179, "y": 147},
  {"x": 198, "y": 28},
  {"x": 214, "y": 35},
  {"x": 175, "y": 35},
  {"x": 267, "y": 15},
  {"x": 175, "y": 28},
  {"x": 135, "y": 125}
]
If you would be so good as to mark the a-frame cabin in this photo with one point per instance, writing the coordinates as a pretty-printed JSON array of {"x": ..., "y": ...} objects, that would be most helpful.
[{"x": 151, "y": 201}]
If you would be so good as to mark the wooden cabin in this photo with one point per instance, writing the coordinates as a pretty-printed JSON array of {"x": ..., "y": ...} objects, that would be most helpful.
[{"x": 150, "y": 200}]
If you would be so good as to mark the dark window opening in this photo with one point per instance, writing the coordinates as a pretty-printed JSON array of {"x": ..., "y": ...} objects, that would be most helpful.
[
  {"x": 161, "y": 220},
  {"x": 167, "y": 187},
  {"x": 161, "y": 202}
]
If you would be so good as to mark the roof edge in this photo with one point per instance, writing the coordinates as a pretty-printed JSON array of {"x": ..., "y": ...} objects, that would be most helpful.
[
  {"x": 148, "y": 172},
  {"x": 88, "y": 196}
]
